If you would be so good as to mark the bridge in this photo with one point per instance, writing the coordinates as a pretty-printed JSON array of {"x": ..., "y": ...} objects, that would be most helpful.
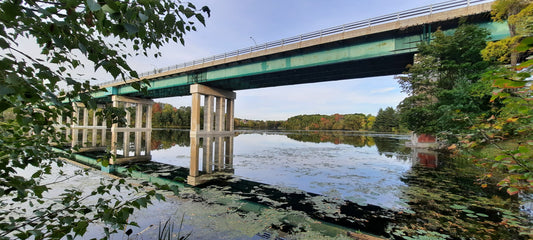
[{"x": 379, "y": 46}]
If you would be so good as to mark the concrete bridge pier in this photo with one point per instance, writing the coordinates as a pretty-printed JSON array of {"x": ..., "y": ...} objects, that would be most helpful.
[
  {"x": 134, "y": 127},
  {"x": 216, "y": 132},
  {"x": 81, "y": 124},
  {"x": 217, "y": 118}
]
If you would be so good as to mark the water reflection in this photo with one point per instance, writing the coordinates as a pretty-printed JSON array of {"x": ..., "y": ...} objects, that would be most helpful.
[
  {"x": 167, "y": 138},
  {"x": 425, "y": 157},
  {"x": 215, "y": 160},
  {"x": 356, "y": 179},
  {"x": 445, "y": 202},
  {"x": 364, "y": 181},
  {"x": 131, "y": 145},
  {"x": 333, "y": 137}
]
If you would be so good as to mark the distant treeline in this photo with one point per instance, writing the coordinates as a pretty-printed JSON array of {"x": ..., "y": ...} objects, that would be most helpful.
[
  {"x": 355, "y": 122},
  {"x": 166, "y": 115}
]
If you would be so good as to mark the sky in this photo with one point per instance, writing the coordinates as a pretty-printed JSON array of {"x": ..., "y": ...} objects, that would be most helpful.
[{"x": 237, "y": 24}]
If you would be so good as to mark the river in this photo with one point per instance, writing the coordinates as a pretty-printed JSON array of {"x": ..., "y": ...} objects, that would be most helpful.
[{"x": 408, "y": 192}]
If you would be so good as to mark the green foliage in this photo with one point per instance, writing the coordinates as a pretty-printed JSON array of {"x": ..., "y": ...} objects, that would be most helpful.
[
  {"x": 513, "y": 121},
  {"x": 386, "y": 121},
  {"x": 499, "y": 51},
  {"x": 508, "y": 130},
  {"x": 68, "y": 34},
  {"x": 257, "y": 124},
  {"x": 355, "y": 122},
  {"x": 166, "y": 115},
  {"x": 523, "y": 21},
  {"x": 508, "y": 10},
  {"x": 443, "y": 83},
  {"x": 167, "y": 230}
]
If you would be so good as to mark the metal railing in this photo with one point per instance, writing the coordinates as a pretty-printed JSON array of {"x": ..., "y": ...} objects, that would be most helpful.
[{"x": 420, "y": 11}]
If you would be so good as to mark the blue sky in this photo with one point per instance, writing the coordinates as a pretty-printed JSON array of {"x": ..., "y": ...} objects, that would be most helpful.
[{"x": 234, "y": 23}]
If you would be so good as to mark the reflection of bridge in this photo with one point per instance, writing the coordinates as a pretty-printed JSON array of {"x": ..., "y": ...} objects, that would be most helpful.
[{"x": 378, "y": 46}]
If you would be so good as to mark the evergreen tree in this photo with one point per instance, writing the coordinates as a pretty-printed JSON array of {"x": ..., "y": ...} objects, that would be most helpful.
[{"x": 386, "y": 120}]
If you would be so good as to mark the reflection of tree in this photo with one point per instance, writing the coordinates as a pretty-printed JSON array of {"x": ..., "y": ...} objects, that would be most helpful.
[
  {"x": 447, "y": 201},
  {"x": 333, "y": 137},
  {"x": 166, "y": 138},
  {"x": 389, "y": 146}
]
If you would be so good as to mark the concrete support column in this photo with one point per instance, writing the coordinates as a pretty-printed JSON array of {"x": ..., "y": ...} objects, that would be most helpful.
[
  {"x": 230, "y": 122},
  {"x": 130, "y": 128},
  {"x": 148, "y": 143},
  {"x": 114, "y": 133},
  {"x": 223, "y": 121},
  {"x": 195, "y": 113},
  {"x": 149, "y": 117},
  {"x": 208, "y": 154},
  {"x": 220, "y": 115},
  {"x": 138, "y": 124},
  {"x": 126, "y": 138},
  {"x": 68, "y": 123},
  {"x": 208, "y": 113},
  {"x": 195, "y": 152},
  {"x": 85, "y": 124},
  {"x": 219, "y": 153},
  {"x": 94, "y": 131},
  {"x": 128, "y": 114},
  {"x": 74, "y": 124},
  {"x": 104, "y": 130},
  {"x": 229, "y": 151},
  {"x": 217, "y": 126}
]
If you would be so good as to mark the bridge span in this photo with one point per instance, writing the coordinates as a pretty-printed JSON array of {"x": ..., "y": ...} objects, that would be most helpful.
[{"x": 379, "y": 46}]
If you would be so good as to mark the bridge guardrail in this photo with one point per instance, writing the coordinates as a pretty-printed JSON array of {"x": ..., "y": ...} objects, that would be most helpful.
[{"x": 420, "y": 11}]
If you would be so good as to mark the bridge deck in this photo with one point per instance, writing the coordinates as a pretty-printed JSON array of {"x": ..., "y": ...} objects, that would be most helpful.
[{"x": 376, "y": 50}]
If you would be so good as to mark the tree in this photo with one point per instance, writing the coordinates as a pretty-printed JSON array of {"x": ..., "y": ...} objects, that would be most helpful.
[
  {"x": 386, "y": 120},
  {"x": 510, "y": 10},
  {"x": 443, "y": 83},
  {"x": 508, "y": 132},
  {"x": 69, "y": 33}
]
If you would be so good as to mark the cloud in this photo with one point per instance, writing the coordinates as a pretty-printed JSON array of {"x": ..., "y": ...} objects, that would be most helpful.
[{"x": 383, "y": 90}]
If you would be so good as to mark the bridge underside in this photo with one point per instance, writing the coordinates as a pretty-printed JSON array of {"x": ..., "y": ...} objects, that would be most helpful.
[{"x": 378, "y": 66}]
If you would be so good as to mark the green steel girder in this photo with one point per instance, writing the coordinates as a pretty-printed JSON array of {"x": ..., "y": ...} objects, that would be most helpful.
[{"x": 367, "y": 56}]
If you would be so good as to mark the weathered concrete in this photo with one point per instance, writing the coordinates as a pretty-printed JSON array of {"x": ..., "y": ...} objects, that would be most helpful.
[
  {"x": 218, "y": 117},
  {"x": 143, "y": 111},
  {"x": 81, "y": 123}
]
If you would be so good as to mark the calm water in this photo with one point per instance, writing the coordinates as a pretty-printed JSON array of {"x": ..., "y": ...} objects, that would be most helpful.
[
  {"x": 428, "y": 194},
  {"x": 349, "y": 166}
]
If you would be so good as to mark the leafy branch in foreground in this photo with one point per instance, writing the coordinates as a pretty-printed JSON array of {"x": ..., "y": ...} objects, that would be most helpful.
[
  {"x": 505, "y": 136},
  {"x": 39, "y": 87},
  {"x": 514, "y": 122}
]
